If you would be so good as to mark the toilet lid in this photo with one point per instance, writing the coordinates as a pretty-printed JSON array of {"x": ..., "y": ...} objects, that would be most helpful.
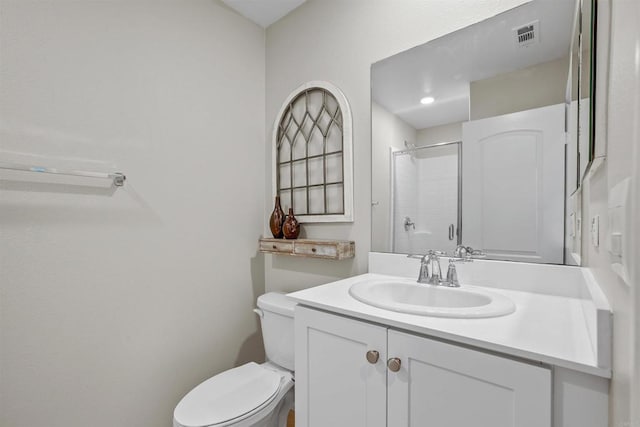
[{"x": 228, "y": 395}]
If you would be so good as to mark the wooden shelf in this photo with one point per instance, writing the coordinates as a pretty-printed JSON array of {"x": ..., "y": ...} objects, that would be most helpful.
[{"x": 310, "y": 248}]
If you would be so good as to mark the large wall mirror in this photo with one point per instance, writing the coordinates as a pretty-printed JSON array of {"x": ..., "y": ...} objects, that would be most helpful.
[{"x": 481, "y": 137}]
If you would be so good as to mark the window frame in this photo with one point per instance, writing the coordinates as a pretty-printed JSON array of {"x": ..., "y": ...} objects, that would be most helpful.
[{"x": 347, "y": 152}]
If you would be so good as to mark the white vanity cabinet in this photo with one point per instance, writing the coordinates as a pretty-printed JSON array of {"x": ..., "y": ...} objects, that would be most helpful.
[{"x": 340, "y": 382}]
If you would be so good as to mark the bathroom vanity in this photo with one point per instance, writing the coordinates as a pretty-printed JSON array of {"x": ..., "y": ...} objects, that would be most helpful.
[{"x": 545, "y": 364}]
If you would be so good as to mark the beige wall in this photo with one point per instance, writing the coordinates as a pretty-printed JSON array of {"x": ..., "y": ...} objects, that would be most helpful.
[
  {"x": 337, "y": 41},
  {"x": 389, "y": 132},
  {"x": 618, "y": 110},
  {"x": 113, "y": 307},
  {"x": 450, "y": 132},
  {"x": 537, "y": 86}
]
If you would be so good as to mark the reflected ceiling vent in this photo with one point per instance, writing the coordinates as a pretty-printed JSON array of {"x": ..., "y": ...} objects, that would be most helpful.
[{"x": 527, "y": 35}]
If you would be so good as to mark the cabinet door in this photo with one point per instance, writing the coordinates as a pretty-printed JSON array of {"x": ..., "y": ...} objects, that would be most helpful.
[
  {"x": 335, "y": 384},
  {"x": 444, "y": 385}
]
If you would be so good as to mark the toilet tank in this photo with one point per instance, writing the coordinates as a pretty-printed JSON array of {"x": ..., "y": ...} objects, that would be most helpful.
[{"x": 276, "y": 316}]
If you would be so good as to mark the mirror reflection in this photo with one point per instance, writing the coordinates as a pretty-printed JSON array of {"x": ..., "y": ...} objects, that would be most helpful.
[{"x": 469, "y": 137}]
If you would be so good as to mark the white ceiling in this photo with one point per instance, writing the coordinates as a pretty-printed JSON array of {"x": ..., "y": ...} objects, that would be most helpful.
[
  {"x": 443, "y": 68},
  {"x": 263, "y": 12}
]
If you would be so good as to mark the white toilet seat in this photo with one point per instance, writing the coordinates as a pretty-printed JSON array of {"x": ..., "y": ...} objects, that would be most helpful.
[{"x": 237, "y": 397}]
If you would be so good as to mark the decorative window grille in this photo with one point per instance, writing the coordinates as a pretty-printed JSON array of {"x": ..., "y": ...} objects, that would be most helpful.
[{"x": 313, "y": 154}]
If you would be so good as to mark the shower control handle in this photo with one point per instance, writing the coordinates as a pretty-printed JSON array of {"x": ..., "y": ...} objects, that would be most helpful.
[
  {"x": 373, "y": 356},
  {"x": 408, "y": 223}
]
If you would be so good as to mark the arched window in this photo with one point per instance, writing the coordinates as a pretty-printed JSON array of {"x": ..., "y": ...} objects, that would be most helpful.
[{"x": 312, "y": 143}]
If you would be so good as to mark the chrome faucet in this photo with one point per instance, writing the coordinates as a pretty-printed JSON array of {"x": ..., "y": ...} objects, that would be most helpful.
[
  {"x": 430, "y": 272},
  {"x": 467, "y": 252}
]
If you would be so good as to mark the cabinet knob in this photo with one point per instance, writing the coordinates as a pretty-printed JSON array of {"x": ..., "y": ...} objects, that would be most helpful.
[
  {"x": 393, "y": 364},
  {"x": 372, "y": 356}
]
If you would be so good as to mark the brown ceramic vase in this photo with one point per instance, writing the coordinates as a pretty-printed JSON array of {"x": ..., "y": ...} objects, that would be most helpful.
[
  {"x": 291, "y": 226},
  {"x": 277, "y": 219}
]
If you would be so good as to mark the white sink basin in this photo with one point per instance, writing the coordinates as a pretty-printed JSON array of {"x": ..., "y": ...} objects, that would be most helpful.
[{"x": 407, "y": 296}]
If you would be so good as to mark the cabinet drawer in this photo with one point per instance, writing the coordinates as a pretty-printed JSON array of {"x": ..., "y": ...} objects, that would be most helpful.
[
  {"x": 276, "y": 246},
  {"x": 316, "y": 249},
  {"x": 309, "y": 248}
]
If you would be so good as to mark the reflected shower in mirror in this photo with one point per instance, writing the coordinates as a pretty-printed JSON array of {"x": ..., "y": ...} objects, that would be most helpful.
[
  {"x": 469, "y": 138},
  {"x": 426, "y": 184}
]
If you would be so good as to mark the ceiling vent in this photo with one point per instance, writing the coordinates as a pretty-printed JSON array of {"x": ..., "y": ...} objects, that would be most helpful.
[{"x": 528, "y": 34}]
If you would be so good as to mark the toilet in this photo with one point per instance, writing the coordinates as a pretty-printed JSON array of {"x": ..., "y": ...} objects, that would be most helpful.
[{"x": 256, "y": 395}]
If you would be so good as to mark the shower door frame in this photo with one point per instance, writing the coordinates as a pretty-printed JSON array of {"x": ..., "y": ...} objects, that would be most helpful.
[{"x": 409, "y": 151}]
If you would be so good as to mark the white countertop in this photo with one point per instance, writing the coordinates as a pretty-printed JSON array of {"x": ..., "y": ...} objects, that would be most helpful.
[{"x": 546, "y": 328}]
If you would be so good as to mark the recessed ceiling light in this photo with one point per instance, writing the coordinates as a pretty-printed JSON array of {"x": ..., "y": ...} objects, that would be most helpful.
[{"x": 427, "y": 100}]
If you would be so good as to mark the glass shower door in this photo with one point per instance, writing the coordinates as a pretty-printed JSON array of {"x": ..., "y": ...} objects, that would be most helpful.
[{"x": 426, "y": 199}]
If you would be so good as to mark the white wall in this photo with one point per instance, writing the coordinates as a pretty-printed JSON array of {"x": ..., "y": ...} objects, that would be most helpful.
[
  {"x": 338, "y": 40},
  {"x": 389, "y": 132},
  {"x": 113, "y": 307},
  {"x": 618, "y": 100}
]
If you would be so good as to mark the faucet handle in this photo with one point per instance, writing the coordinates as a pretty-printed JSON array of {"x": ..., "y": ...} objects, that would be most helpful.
[
  {"x": 463, "y": 251},
  {"x": 460, "y": 251},
  {"x": 452, "y": 275},
  {"x": 477, "y": 253},
  {"x": 429, "y": 254}
]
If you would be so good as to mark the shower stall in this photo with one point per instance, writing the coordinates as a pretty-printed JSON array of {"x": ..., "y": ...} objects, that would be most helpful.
[{"x": 426, "y": 193}]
